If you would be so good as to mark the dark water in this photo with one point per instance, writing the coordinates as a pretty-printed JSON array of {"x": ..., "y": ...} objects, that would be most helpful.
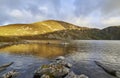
[{"x": 82, "y": 54}]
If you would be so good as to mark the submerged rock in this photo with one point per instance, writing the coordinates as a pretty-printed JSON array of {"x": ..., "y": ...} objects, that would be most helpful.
[
  {"x": 108, "y": 69},
  {"x": 6, "y": 65},
  {"x": 3, "y": 67},
  {"x": 59, "y": 68}
]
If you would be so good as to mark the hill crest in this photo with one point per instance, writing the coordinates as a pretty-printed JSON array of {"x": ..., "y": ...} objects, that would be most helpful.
[{"x": 36, "y": 28}]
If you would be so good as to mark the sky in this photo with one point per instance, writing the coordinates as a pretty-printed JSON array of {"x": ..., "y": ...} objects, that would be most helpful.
[{"x": 88, "y": 13}]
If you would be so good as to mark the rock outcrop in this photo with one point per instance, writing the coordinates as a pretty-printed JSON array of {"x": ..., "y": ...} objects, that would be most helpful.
[{"x": 59, "y": 68}]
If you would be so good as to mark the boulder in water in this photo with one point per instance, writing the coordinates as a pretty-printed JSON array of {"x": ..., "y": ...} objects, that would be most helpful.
[{"x": 59, "y": 68}]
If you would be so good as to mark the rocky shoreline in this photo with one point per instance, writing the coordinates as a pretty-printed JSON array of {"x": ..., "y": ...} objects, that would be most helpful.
[{"x": 58, "y": 68}]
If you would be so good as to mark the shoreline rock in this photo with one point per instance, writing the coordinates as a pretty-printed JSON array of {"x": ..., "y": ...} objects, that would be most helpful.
[
  {"x": 59, "y": 68},
  {"x": 10, "y": 74}
]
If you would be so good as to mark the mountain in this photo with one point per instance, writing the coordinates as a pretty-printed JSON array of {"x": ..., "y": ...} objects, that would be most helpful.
[
  {"x": 53, "y": 29},
  {"x": 112, "y": 32}
]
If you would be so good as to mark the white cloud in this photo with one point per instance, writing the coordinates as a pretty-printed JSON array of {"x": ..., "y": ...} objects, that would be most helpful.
[
  {"x": 111, "y": 21},
  {"x": 16, "y": 13},
  {"x": 24, "y": 16},
  {"x": 80, "y": 21},
  {"x": 20, "y": 16},
  {"x": 43, "y": 9},
  {"x": 90, "y": 13}
]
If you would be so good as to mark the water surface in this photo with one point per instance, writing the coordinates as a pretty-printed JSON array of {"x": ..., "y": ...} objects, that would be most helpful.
[{"x": 81, "y": 53}]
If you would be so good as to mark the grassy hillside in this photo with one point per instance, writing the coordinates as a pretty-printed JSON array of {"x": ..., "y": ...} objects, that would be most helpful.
[
  {"x": 53, "y": 29},
  {"x": 30, "y": 29}
]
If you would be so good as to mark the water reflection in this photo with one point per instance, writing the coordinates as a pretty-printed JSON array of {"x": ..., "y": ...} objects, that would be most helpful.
[
  {"x": 39, "y": 50},
  {"x": 81, "y": 54}
]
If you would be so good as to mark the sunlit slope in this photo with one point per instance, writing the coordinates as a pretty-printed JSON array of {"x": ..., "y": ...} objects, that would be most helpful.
[
  {"x": 31, "y": 29},
  {"x": 53, "y": 29}
]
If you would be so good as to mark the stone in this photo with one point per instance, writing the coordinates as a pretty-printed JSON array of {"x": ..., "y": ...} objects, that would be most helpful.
[
  {"x": 55, "y": 69},
  {"x": 10, "y": 74},
  {"x": 82, "y": 76},
  {"x": 73, "y": 75},
  {"x": 45, "y": 76},
  {"x": 60, "y": 58}
]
